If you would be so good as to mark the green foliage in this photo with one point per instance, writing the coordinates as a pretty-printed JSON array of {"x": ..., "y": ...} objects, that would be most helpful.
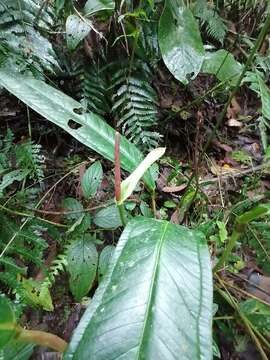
[
  {"x": 210, "y": 20},
  {"x": 22, "y": 28},
  {"x": 258, "y": 238},
  {"x": 93, "y": 6},
  {"x": 135, "y": 106},
  {"x": 153, "y": 263},
  {"x": 258, "y": 314},
  {"x": 19, "y": 161},
  {"x": 7, "y": 322},
  {"x": 16, "y": 350},
  {"x": 62, "y": 110},
  {"x": 108, "y": 218},
  {"x": 82, "y": 261},
  {"x": 22, "y": 248},
  {"x": 91, "y": 180},
  {"x": 158, "y": 276},
  {"x": 180, "y": 41},
  {"x": 257, "y": 84},
  {"x": 104, "y": 260},
  {"x": 223, "y": 65},
  {"x": 76, "y": 30},
  {"x": 95, "y": 89}
]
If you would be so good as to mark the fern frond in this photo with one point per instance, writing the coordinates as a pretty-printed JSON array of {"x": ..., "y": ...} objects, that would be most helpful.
[
  {"x": 90, "y": 86},
  {"x": 95, "y": 90},
  {"x": 135, "y": 106},
  {"x": 28, "y": 244},
  {"x": 30, "y": 159},
  {"x": 210, "y": 19},
  {"x": 58, "y": 266}
]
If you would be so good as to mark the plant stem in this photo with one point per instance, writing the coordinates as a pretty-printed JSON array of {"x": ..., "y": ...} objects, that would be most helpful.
[
  {"x": 228, "y": 297},
  {"x": 226, "y": 253},
  {"x": 122, "y": 214},
  {"x": 41, "y": 338},
  {"x": 239, "y": 227},
  {"x": 117, "y": 167},
  {"x": 154, "y": 209}
]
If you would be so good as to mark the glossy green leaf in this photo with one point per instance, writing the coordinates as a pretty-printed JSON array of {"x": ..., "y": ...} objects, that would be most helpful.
[
  {"x": 93, "y": 6},
  {"x": 180, "y": 41},
  {"x": 76, "y": 30},
  {"x": 7, "y": 322},
  {"x": 92, "y": 179},
  {"x": 223, "y": 65},
  {"x": 155, "y": 301},
  {"x": 130, "y": 183},
  {"x": 108, "y": 218},
  {"x": 103, "y": 262},
  {"x": 88, "y": 128},
  {"x": 82, "y": 258},
  {"x": 17, "y": 351}
]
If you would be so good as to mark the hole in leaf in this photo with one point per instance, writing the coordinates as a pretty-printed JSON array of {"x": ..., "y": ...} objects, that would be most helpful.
[
  {"x": 79, "y": 110},
  {"x": 190, "y": 76},
  {"x": 74, "y": 125}
]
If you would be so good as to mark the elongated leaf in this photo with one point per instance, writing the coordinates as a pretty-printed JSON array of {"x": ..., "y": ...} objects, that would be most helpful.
[
  {"x": 93, "y": 6},
  {"x": 92, "y": 179},
  {"x": 129, "y": 184},
  {"x": 223, "y": 65},
  {"x": 155, "y": 301},
  {"x": 82, "y": 266},
  {"x": 63, "y": 111},
  {"x": 76, "y": 30},
  {"x": 180, "y": 41},
  {"x": 7, "y": 322}
]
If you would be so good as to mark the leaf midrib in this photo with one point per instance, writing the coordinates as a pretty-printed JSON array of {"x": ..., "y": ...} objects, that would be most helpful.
[
  {"x": 93, "y": 128},
  {"x": 152, "y": 290}
]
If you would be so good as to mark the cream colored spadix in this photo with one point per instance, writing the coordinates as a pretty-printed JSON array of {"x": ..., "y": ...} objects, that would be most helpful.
[{"x": 129, "y": 184}]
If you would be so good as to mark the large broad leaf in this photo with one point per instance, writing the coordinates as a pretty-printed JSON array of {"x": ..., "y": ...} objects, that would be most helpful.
[
  {"x": 89, "y": 128},
  {"x": 19, "y": 30},
  {"x": 180, "y": 41},
  {"x": 93, "y": 6},
  {"x": 223, "y": 65},
  {"x": 76, "y": 30},
  {"x": 155, "y": 301}
]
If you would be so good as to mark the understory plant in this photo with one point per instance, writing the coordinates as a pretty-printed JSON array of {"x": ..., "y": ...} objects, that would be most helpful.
[{"x": 152, "y": 291}]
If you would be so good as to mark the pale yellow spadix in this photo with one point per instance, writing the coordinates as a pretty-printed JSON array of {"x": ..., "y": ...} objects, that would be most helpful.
[{"x": 129, "y": 184}]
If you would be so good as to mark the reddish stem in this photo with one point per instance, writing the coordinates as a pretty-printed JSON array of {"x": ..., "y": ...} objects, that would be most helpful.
[{"x": 117, "y": 167}]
